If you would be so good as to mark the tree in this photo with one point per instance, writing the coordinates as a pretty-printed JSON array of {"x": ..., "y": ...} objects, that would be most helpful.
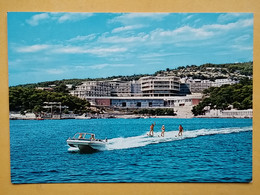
[
  {"x": 22, "y": 99},
  {"x": 62, "y": 88}
]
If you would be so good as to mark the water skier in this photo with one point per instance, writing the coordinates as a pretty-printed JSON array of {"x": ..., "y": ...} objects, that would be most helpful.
[
  {"x": 151, "y": 129},
  {"x": 180, "y": 130},
  {"x": 163, "y": 130}
]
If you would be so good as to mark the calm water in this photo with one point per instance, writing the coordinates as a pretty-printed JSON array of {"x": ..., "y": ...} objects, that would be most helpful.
[{"x": 210, "y": 150}]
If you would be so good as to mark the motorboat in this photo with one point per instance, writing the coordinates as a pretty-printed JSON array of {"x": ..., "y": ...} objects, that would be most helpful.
[{"x": 86, "y": 142}]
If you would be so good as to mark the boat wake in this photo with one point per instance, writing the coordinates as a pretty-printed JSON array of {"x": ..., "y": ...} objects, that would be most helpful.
[{"x": 143, "y": 140}]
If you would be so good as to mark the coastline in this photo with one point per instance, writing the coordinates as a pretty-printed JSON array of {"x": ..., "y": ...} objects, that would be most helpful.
[{"x": 123, "y": 116}]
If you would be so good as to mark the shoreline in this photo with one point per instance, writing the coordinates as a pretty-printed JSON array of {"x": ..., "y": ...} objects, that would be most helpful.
[{"x": 130, "y": 117}]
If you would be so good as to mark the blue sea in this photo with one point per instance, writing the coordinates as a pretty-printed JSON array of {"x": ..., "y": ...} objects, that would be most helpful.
[{"x": 210, "y": 150}]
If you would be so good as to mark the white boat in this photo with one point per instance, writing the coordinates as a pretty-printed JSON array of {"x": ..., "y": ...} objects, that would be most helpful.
[
  {"x": 86, "y": 142},
  {"x": 82, "y": 117}
]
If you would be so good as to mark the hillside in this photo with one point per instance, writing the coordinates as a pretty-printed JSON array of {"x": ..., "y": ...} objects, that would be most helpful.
[
  {"x": 235, "y": 71},
  {"x": 238, "y": 96}
]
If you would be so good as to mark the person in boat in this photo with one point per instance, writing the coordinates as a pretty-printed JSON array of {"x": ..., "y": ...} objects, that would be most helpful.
[
  {"x": 163, "y": 130},
  {"x": 92, "y": 138},
  {"x": 151, "y": 129},
  {"x": 180, "y": 130},
  {"x": 80, "y": 136}
]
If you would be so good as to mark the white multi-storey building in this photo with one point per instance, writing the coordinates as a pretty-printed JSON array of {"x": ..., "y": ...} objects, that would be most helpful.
[
  {"x": 159, "y": 86},
  {"x": 198, "y": 85},
  {"x": 92, "y": 89},
  {"x": 114, "y": 88},
  {"x": 136, "y": 88},
  {"x": 220, "y": 82},
  {"x": 120, "y": 88}
]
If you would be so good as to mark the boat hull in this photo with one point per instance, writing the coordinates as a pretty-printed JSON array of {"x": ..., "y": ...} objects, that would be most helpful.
[{"x": 87, "y": 146}]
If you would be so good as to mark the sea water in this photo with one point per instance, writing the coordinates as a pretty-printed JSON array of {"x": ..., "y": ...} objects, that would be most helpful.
[{"x": 210, "y": 150}]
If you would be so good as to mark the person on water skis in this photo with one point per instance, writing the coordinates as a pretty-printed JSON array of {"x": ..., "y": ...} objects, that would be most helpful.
[
  {"x": 180, "y": 130},
  {"x": 163, "y": 130},
  {"x": 151, "y": 129}
]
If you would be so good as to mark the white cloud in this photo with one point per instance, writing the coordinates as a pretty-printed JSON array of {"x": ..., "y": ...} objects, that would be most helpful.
[
  {"x": 181, "y": 34},
  {"x": 230, "y": 26},
  {"x": 132, "y": 17},
  {"x": 247, "y": 22},
  {"x": 94, "y": 51},
  {"x": 227, "y": 17},
  {"x": 242, "y": 38},
  {"x": 61, "y": 49},
  {"x": 127, "y": 28},
  {"x": 156, "y": 55},
  {"x": 187, "y": 18},
  {"x": 197, "y": 20},
  {"x": 122, "y": 65},
  {"x": 98, "y": 66},
  {"x": 59, "y": 17},
  {"x": 34, "y": 20},
  {"x": 105, "y": 51},
  {"x": 155, "y": 16},
  {"x": 197, "y": 32},
  {"x": 242, "y": 47},
  {"x": 141, "y": 37},
  {"x": 32, "y": 48},
  {"x": 54, "y": 71},
  {"x": 73, "y": 17},
  {"x": 83, "y": 38},
  {"x": 101, "y": 66},
  {"x": 187, "y": 33}
]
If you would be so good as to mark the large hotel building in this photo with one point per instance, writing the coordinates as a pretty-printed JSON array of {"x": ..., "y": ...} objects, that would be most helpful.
[
  {"x": 160, "y": 86},
  {"x": 147, "y": 92}
]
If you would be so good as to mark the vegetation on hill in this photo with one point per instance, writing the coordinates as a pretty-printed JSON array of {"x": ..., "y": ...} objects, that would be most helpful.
[
  {"x": 245, "y": 68},
  {"x": 238, "y": 95},
  {"x": 30, "y": 99},
  {"x": 209, "y": 71},
  {"x": 75, "y": 82},
  {"x": 235, "y": 71}
]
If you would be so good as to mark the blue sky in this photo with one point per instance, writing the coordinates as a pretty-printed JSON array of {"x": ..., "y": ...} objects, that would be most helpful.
[{"x": 54, "y": 46}]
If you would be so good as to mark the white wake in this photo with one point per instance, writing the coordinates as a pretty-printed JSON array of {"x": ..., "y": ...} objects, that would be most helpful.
[{"x": 143, "y": 140}]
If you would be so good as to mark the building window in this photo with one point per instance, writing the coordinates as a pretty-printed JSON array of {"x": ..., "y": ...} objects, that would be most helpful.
[
  {"x": 138, "y": 104},
  {"x": 123, "y": 104},
  {"x": 150, "y": 104}
]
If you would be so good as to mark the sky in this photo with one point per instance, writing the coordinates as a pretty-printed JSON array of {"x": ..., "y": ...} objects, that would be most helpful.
[{"x": 47, "y": 46}]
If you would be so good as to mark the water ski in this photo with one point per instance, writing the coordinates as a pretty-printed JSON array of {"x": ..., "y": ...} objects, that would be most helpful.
[{"x": 149, "y": 135}]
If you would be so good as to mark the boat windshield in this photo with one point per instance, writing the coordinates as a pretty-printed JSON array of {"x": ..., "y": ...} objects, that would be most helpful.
[{"x": 83, "y": 136}]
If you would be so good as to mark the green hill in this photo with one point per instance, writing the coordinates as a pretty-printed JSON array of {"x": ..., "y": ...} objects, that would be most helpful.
[
  {"x": 210, "y": 71},
  {"x": 238, "y": 95}
]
